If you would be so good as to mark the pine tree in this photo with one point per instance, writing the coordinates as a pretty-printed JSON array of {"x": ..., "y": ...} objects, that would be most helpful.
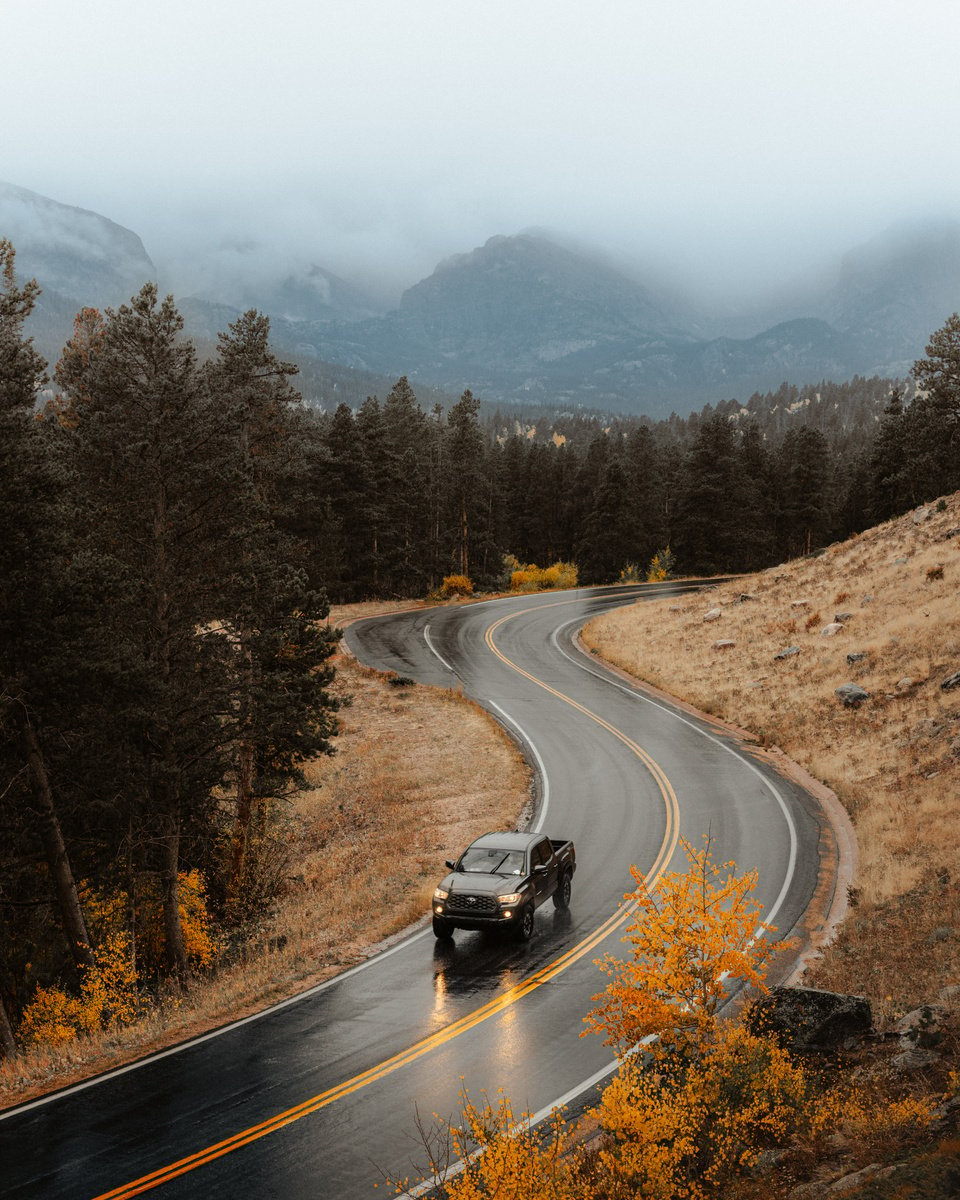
[
  {"x": 934, "y": 416},
  {"x": 149, "y": 453},
  {"x": 30, "y": 527}
]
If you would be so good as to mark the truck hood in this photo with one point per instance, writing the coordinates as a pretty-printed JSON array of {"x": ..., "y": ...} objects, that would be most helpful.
[{"x": 478, "y": 884}]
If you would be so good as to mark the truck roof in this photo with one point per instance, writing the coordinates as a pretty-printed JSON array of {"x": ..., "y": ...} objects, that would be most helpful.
[{"x": 508, "y": 840}]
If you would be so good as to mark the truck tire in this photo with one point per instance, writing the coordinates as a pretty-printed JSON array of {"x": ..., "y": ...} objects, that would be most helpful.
[
  {"x": 524, "y": 928},
  {"x": 442, "y": 928},
  {"x": 561, "y": 897}
]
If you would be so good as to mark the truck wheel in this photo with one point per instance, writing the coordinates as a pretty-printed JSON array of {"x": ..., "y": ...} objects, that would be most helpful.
[
  {"x": 442, "y": 928},
  {"x": 561, "y": 897},
  {"x": 525, "y": 924}
]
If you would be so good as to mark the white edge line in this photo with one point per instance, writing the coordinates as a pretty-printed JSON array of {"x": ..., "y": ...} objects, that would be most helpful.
[
  {"x": 433, "y": 650},
  {"x": 545, "y": 784}
]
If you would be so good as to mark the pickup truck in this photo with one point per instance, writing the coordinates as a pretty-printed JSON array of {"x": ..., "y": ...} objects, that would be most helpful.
[{"x": 500, "y": 880}]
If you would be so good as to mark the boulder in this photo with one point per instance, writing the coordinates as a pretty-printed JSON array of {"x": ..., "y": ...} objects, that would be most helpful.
[
  {"x": 713, "y": 615},
  {"x": 799, "y": 603},
  {"x": 832, "y": 629},
  {"x": 842, "y": 618},
  {"x": 914, "y": 1058},
  {"x": 920, "y": 515},
  {"x": 851, "y": 695},
  {"x": 744, "y": 597},
  {"x": 806, "y": 1019},
  {"x": 788, "y": 653},
  {"x": 857, "y": 656},
  {"x": 951, "y": 682},
  {"x": 904, "y": 685},
  {"x": 923, "y": 1027},
  {"x": 723, "y": 644}
]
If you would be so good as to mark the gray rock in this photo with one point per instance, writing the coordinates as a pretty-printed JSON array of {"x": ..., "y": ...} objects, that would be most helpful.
[
  {"x": 949, "y": 997},
  {"x": 857, "y": 656},
  {"x": 723, "y": 644},
  {"x": 832, "y": 629},
  {"x": 744, "y": 597},
  {"x": 713, "y": 615},
  {"x": 843, "y": 618},
  {"x": 865, "y": 601},
  {"x": 914, "y": 1059},
  {"x": 799, "y": 603},
  {"x": 809, "y": 1019},
  {"x": 920, "y": 515},
  {"x": 904, "y": 685},
  {"x": 898, "y": 562},
  {"x": 923, "y": 1027},
  {"x": 951, "y": 682},
  {"x": 948, "y": 534},
  {"x": 851, "y": 695},
  {"x": 788, "y": 653}
]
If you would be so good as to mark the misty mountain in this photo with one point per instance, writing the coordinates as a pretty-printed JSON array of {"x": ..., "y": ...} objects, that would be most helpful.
[
  {"x": 79, "y": 258},
  {"x": 893, "y": 291},
  {"x": 521, "y": 320}
]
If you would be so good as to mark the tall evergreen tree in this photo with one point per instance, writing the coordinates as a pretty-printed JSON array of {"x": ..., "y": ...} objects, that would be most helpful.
[
  {"x": 149, "y": 453},
  {"x": 30, "y": 526},
  {"x": 934, "y": 418}
]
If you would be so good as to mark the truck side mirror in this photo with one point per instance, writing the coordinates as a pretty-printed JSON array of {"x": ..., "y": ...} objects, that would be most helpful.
[{"x": 540, "y": 869}]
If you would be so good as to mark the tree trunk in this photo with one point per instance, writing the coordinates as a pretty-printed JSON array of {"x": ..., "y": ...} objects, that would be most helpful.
[
  {"x": 54, "y": 847},
  {"x": 174, "y": 947},
  {"x": 8, "y": 1045},
  {"x": 241, "y": 832},
  {"x": 245, "y": 775}
]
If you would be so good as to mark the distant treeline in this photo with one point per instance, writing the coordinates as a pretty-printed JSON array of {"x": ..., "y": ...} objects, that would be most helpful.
[{"x": 413, "y": 495}]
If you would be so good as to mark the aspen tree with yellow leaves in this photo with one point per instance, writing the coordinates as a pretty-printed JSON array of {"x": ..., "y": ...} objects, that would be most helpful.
[{"x": 694, "y": 934}]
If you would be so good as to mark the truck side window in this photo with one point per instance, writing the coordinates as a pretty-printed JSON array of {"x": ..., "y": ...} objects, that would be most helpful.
[{"x": 542, "y": 853}]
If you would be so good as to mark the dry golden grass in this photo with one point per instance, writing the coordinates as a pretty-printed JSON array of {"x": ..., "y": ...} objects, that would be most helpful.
[
  {"x": 894, "y": 762},
  {"x": 418, "y": 773}
]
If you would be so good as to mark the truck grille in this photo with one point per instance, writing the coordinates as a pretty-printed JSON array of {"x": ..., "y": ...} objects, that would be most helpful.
[{"x": 467, "y": 905}]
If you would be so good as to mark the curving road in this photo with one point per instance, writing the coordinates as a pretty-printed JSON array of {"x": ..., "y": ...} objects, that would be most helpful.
[{"x": 320, "y": 1096}]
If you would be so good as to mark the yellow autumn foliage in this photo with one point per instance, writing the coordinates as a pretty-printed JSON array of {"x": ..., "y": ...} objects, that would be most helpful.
[
  {"x": 681, "y": 1133},
  {"x": 108, "y": 996},
  {"x": 694, "y": 933},
  {"x": 661, "y": 566},
  {"x": 108, "y": 913},
  {"x": 506, "y": 1157},
  {"x": 456, "y": 585},
  {"x": 528, "y": 577}
]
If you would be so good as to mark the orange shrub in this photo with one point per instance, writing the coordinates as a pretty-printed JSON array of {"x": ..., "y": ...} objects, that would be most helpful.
[{"x": 456, "y": 585}]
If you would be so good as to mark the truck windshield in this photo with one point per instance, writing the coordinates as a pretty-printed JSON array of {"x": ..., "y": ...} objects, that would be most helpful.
[{"x": 491, "y": 861}]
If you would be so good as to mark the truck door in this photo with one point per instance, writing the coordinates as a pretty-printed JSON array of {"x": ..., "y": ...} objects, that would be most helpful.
[{"x": 544, "y": 882}]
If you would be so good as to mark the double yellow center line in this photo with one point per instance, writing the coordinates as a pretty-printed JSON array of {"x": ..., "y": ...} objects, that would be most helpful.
[{"x": 190, "y": 1163}]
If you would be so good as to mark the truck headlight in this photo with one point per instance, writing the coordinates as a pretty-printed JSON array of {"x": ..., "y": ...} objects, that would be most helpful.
[
  {"x": 440, "y": 894},
  {"x": 511, "y": 899}
]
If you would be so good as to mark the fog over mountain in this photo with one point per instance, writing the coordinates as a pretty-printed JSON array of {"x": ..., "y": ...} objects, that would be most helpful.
[{"x": 524, "y": 319}]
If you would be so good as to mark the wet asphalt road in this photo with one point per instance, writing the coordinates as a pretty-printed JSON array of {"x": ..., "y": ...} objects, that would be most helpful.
[{"x": 321, "y": 1096}]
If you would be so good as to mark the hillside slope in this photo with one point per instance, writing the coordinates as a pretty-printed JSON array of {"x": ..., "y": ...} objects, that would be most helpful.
[{"x": 771, "y": 663}]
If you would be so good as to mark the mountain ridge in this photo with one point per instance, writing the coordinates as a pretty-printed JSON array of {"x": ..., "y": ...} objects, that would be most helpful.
[{"x": 527, "y": 318}]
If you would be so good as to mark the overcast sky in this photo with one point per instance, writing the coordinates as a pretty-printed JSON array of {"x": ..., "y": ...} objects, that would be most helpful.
[{"x": 738, "y": 139}]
